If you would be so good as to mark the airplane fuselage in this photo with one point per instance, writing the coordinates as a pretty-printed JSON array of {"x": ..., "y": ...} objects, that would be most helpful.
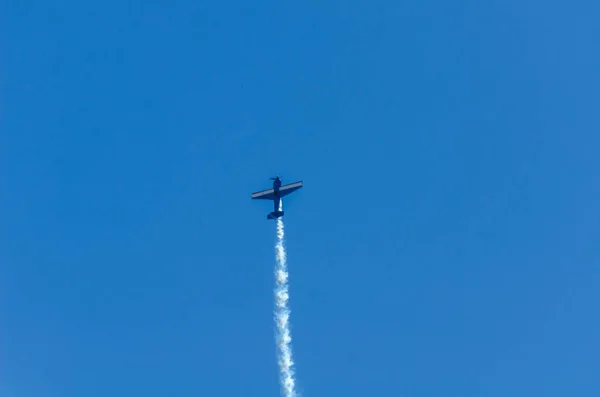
[{"x": 276, "y": 186}]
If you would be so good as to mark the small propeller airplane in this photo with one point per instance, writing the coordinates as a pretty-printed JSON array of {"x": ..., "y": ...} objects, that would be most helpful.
[{"x": 275, "y": 194}]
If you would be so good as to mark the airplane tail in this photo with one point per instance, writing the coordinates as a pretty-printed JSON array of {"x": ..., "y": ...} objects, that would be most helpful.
[{"x": 275, "y": 215}]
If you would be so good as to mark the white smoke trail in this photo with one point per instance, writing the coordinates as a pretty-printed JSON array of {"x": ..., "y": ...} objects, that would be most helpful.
[{"x": 282, "y": 315}]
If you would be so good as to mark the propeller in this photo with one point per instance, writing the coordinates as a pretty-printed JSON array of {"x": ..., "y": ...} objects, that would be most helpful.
[{"x": 274, "y": 178}]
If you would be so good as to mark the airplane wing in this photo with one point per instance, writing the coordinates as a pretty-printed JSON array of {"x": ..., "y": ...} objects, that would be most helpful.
[
  {"x": 264, "y": 195},
  {"x": 287, "y": 189}
]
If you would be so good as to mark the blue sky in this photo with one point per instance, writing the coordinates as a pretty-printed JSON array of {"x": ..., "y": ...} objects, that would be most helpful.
[{"x": 445, "y": 242}]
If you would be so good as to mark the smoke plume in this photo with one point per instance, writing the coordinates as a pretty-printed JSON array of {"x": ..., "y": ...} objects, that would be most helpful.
[{"x": 282, "y": 315}]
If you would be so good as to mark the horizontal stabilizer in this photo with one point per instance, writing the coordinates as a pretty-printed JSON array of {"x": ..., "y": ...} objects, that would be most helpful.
[{"x": 275, "y": 215}]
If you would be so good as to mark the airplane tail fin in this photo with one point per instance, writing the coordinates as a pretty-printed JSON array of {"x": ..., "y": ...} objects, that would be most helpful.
[{"x": 275, "y": 215}]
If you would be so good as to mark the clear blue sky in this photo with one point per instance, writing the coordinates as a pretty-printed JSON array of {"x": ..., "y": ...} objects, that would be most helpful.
[{"x": 445, "y": 242}]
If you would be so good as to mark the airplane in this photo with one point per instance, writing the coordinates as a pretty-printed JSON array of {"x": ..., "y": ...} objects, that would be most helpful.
[{"x": 275, "y": 194}]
